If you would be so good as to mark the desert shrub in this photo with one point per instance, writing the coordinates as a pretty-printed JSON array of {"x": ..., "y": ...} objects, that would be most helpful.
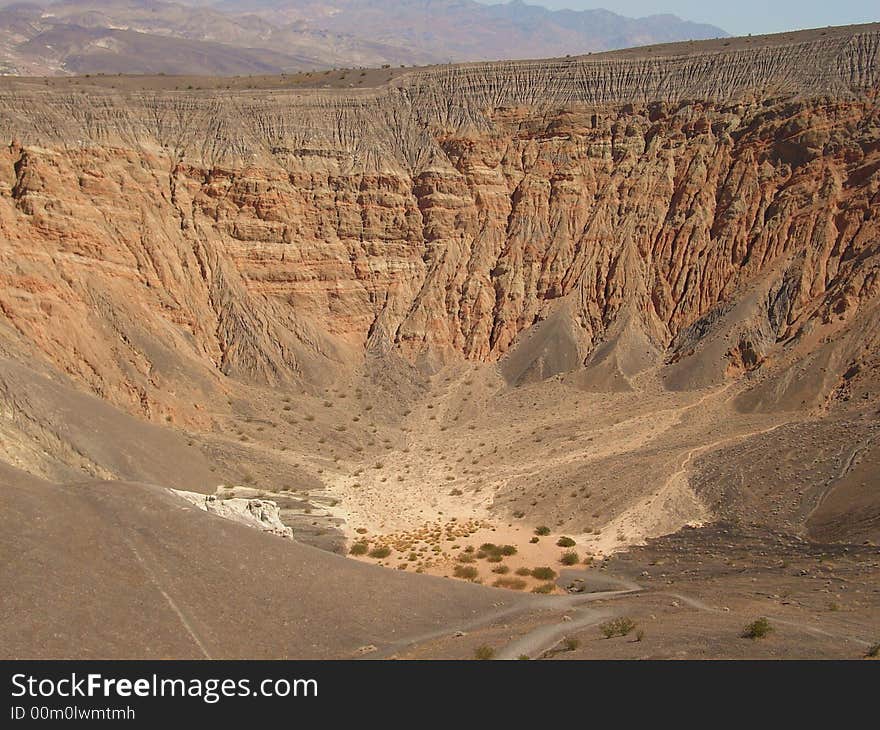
[
  {"x": 519, "y": 514},
  {"x": 570, "y": 643},
  {"x": 617, "y": 627},
  {"x": 523, "y": 571},
  {"x": 873, "y": 651},
  {"x": 533, "y": 540},
  {"x": 495, "y": 553},
  {"x": 758, "y": 629},
  {"x": 468, "y": 572},
  {"x": 501, "y": 569},
  {"x": 466, "y": 558},
  {"x": 542, "y": 531},
  {"x": 516, "y": 584},
  {"x": 359, "y": 548},
  {"x": 565, "y": 542},
  {"x": 569, "y": 557},
  {"x": 544, "y": 588},
  {"x": 484, "y": 652},
  {"x": 640, "y": 634},
  {"x": 543, "y": 573},
  {"x": 380, "y": 552}
]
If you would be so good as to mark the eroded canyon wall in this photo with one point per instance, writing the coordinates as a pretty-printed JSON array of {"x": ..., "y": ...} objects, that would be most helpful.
[{"x": 151, "y": 243}]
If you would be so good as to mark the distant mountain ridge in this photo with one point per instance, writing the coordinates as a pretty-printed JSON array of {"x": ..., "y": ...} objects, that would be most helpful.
[{"x": 229, "y": 37}]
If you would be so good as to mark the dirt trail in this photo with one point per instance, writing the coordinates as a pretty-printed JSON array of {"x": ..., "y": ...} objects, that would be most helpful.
[
  {"x": 540, "y": 639},
  {"x": 153, "y": 578},
  {"x": 808, "y": 628},
  {"x": 674, "y": 504},
  {"x": 842, "y": 472},
  {"x": 545, "y": 637}
]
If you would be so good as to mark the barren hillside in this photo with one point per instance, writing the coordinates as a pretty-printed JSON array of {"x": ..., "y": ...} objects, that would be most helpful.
[
  {"x": 601, "y": 298},
  {"x": 224, "y": 38}
]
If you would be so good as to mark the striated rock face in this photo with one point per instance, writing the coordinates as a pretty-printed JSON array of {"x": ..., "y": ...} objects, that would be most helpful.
[{"x": 152, "y": 243}]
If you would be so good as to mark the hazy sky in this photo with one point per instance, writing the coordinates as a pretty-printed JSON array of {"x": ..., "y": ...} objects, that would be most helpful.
[{"x": 739, "y": 17}]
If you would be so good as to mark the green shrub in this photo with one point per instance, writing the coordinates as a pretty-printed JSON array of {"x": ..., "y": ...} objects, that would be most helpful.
[
  {"x": 570, "y": 643},
  {"x": 542, "y": 531},
  {"x": 570, "y": 557},
  {"x": 543, "y": 573},
  {"x": 495, "y": 553},
  {"x": 523, "y": 571},
  {"x": 565, "y": 542},
  {"x": 758, "y": 629},
  {"x": 359, "y": 548},
  {"x": 380, "y": 552},
  {"x": 484, "y": 652},
  {"x": 468, "y": 572},
  {"x": 516, "y": 584},
  {"x": 617, "y": 627},
  {"x": 544, "y": 588}
]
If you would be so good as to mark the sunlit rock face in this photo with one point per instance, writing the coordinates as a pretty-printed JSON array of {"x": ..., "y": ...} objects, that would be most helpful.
[{"x": 154, "y": 242}]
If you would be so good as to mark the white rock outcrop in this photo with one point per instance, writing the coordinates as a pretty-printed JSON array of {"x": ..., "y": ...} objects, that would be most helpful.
[{"x": 262, "y": 514}]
